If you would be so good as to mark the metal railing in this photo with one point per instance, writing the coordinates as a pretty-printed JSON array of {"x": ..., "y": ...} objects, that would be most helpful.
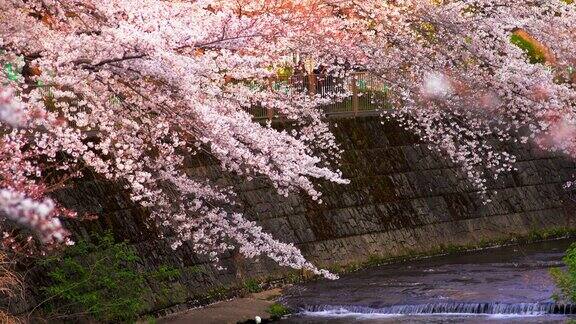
[{"x": 365, "y": 93}]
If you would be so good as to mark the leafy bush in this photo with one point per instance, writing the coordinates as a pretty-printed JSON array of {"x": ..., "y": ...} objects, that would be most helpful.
[
  {"x": 566, "y": 279},
  {"x": 98, "y": 279},
  {"x": 278, "y": 310}
]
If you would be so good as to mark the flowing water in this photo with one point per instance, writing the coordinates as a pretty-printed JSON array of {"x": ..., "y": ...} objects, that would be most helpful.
[{"x": 503, "y": 285}]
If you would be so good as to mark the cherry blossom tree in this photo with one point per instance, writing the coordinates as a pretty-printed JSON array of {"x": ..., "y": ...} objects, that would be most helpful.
[{"x": 128, "y": 89}]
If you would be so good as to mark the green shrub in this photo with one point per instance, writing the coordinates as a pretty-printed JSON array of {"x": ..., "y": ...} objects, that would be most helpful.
[
  {"x": 98, "y": 279},
  {"x": 278, "y": 310},
  {"x": 566, "y": 279}
]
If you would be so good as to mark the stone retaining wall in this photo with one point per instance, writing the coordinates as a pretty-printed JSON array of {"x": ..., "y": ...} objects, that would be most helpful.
[{"x": 402, "y": 199}]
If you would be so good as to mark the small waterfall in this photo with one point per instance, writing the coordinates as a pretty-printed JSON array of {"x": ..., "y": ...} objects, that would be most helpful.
[{"x": 450, "y": 308}]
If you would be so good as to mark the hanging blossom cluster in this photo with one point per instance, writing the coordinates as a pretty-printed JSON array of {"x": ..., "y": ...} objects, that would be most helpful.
[
  {"x": 32, "y": 214},
  {"x": 15, "y": 196},
  {"x": 129, "y": 89},
  {"x": 11, "y": 112},
  {"x": 457, "y": 79}
]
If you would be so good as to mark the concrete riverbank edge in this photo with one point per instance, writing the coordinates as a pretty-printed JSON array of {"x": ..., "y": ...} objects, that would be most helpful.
[{"x": 234, "y": 304}]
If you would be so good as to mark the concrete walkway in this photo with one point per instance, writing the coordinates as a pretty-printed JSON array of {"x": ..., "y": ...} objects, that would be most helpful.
[{"x": 231, "y": 311}]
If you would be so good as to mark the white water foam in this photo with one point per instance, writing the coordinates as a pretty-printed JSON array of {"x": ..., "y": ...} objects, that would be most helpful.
[
  {"x": 343, "y": 313},
  {"x": 444, "y": 309}
]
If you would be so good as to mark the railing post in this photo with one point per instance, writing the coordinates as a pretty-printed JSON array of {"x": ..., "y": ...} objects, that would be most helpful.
[
  {"x": 270, "y": 111},
  {"x": 355, "y": 102},
  {"x": 312, "y": 83}
]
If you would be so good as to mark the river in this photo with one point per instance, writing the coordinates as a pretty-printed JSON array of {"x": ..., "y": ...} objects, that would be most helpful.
[{"x": 500, "y": 285}]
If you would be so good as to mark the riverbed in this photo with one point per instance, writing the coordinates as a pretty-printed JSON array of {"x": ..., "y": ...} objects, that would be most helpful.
[{"x": 501, "y": 285}]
